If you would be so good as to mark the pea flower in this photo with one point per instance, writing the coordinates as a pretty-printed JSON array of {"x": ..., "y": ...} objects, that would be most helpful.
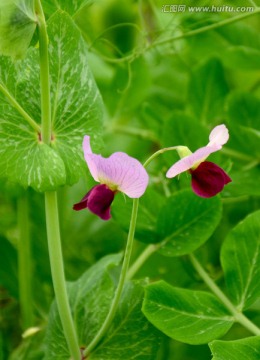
[
  {"x": 119, "y": 172},
  {"x": 207, "y": 178}
]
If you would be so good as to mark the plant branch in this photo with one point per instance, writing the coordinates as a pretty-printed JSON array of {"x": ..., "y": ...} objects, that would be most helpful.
[
  {"x": 238, "y": 316},
  {"x": 44, "y": 75},
  {"x": 148, "y": 251},
  {"x": 51, "y": 205},
  {"x": 203, "y": 29},
  {"x": 18, "y": 107},
  {"x": 57, "y": 270}
]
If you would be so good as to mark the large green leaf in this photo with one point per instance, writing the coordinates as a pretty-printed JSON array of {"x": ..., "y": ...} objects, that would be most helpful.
[
  {"x": 70, "y": 6},
  {"x": 207, "y": 91},
  {"x": 193, "y": 317},
  {"x": 246, "y": 349},
  {"x": 180, "y": 128},
  {"x": 129, "y": 330},
  {"x": 186, "y": 221},
  {"x": 90, "y": 298},
  {"x": 76, "y": 111},
  {"x": 17, "y": 25},
  {"x": 240, "y": 258},
  {"x": 242, "y": 57},
  {"x": 243, "y": 111}
]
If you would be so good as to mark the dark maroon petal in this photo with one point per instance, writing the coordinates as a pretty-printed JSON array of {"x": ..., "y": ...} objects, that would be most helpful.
[
  {"x": 208, "y": 179},
  {"x": 98, "y": 201},
  {"x": 83, "y": 204}
]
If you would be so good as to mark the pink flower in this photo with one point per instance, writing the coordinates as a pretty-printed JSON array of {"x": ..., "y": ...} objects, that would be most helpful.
[
  {"x": 207, "y": 179},
  {"x": 119, "y": 172}
]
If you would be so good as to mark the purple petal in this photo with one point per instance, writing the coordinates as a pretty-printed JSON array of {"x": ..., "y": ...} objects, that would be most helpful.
[
  {"x": 219, "y": 135},
  {"x": 98, "y": 201},
  {"x": 119, "y": 171},
  {"x": 208, "y": 179},
  {"x": 189, "y": 161}
]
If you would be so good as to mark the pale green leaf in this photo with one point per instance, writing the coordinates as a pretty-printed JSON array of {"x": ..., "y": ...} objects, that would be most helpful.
[
  {"x": 244, "y": 349},
  {"x": 240, "y": 258},
  {"x": 76, "y": 111},
  {"x": 70, "y": 6},
  {"x": 17, "y": 25},
  {"x": 186, "y": 221},
  {"x": 193, "y": 317}
]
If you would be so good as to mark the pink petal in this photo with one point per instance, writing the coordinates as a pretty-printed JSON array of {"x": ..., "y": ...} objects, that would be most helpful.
[
  {"x": 208, "y": 179},
  {"x": 90, "y": 160},
  {"x": 218, "y": 136},
  {"x": 188, "y": 162},
  {"x": 119, "y": 171}
]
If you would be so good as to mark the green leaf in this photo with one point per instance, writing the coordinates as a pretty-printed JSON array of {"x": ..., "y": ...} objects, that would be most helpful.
[
  {"x": 243, "y": 111},
  {"x": 207, "y": 91},
  {"x": 241, "y": 57},
  {"x": 186, "y": 221},
  {"x": 193, "y": 317},
  {"x": 70, "y": 6},
  {"x": 130, "y": 329},
  {"x": 17, "y": 25},
  {"x": 149, "y": 206},
  {"x": 8, "y": 278},
  {"x": 180, "y": 128},
  {"x": 90, "y": 298},
  {"x": 245, "y": 183},
  {"x": 240, "y": 258},
  {"x": 246, "y": 349},
  {"x": 76, "y": 111}
]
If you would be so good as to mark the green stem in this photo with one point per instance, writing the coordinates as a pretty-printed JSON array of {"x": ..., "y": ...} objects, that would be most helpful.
[
  {"x": 237, "y": 154},
  {"x": 18, "y": 107},
  {"x": 57, "y": 270},
  {"x": 204, "y": 29},
  {"x": 24, "y": 263},
  {"x": 159, "y": 152},
  {"x": 51, "y": 206},
  {"x": 238, "y": 316},
  {"x": 125, "y": 265},
  {"x": 148, "y": 251},
  {"x": 44, "y": 75}
]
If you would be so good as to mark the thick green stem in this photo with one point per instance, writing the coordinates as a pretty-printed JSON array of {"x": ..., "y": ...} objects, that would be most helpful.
[
  {"x": 24, "y": 263},
  {"x": 51, "y": 206},
  {"x": 122, "y": 278},
  {"x": 18, "y": 107},
  {"x": 57, "y": 270},
  {"x": 238, "y": 316},
  {"x": 44, "y": 75}
]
